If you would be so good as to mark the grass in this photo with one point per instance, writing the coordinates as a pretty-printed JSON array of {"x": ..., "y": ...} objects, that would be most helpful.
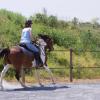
[
  {"x": 69, "y": 36},
  {"x": 59, "y": 62}
]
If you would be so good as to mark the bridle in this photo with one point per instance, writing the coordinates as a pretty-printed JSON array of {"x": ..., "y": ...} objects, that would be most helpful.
[{"x": 43, "y": 46}]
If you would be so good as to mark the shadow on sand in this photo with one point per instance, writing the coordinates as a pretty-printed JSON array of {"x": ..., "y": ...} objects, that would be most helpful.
[{"x": 39, "y": 88}]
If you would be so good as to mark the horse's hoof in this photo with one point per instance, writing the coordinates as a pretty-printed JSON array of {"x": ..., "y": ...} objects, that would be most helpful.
[
  {"x": 41, "y": 85},
  {"x": 24, "y": 86},
  {"x": 53, "y": 83},
  {"x": 1, "y": 88}
]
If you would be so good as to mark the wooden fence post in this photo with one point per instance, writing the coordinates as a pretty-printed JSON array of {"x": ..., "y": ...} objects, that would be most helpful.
[{"x": 71, "y": 66}]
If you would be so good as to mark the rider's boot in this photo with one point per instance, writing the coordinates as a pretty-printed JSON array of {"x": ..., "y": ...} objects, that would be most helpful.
[{"x": 39, "y": 62}]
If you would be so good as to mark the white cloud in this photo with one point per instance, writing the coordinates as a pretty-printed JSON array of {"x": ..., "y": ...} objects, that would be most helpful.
[{"x": 83, "y": 9}]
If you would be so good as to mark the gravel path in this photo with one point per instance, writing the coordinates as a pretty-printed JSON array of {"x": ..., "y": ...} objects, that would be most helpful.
[{"x": 50, "y": 92}]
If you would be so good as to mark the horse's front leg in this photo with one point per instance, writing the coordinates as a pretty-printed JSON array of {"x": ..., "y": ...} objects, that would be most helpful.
[
  {"x": 5, "y": 69},
  {"x": 49, "y": 71}
]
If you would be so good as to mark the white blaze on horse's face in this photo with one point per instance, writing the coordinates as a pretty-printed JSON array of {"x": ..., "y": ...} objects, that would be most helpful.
[
  {"x": 42, "y": 42},
  {"x": 42, "y": 45}
]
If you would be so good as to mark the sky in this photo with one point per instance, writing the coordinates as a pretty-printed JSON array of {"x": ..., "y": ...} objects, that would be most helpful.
[{"x": 84, "y": 10}]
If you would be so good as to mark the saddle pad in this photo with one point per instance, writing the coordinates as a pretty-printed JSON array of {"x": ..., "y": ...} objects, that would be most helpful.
[{"x": 26, "y": 51}]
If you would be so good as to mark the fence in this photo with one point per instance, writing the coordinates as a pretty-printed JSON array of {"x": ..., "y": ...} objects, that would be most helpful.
[
  {"x": 90, "y": 70},
  {"x": 71, "y": 67},
  {"x": 59, "y": 68}
]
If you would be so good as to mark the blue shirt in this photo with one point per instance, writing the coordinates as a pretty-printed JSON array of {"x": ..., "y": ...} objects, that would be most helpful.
[{"x": 26, "y": 35}]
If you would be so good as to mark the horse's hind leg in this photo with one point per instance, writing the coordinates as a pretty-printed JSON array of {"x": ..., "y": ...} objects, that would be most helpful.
[
  {"x": 50, "y": 73},
  {"x": 18, "y": 76},
  {"x": 5, "y": 69}
]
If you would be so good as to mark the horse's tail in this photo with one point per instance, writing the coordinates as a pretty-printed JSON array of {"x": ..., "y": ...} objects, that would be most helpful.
[{"x": 4, "y": 52}]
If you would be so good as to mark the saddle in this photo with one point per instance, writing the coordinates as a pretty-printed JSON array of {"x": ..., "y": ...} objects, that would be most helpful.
[
  {"x": 38, "y": 59},
  {"x": 25, "y": 47}
]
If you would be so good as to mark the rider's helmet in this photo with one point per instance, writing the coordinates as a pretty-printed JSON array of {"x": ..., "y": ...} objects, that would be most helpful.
[{"x": 28, "y": 23}]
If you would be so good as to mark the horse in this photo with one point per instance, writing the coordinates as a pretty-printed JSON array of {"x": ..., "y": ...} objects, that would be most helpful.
[{"x": 21, "y": 58}]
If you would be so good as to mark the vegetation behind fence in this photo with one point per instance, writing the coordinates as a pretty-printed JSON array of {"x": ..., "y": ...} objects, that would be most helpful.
[{"x": 79, "y": 36}]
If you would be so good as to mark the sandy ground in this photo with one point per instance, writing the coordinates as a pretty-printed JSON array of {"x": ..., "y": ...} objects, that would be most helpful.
[{"x": 59, "y": 91}]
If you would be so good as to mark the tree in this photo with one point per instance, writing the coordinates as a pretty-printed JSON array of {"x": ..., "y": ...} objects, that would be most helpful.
[
  {"x": 52, "y": 21},
  {"x": 75, "y": 21},
  {"x": 44, "y": 11},
  {"x": 41, "y": 18},
  {"x": 95, "y": 22}
]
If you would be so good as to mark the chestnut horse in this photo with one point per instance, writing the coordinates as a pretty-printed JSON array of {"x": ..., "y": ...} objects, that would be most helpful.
[{"x": 21, "y": 58}]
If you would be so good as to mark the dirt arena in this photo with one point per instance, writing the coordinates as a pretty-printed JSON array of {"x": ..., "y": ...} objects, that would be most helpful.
[{"x": 61, "y": 91}]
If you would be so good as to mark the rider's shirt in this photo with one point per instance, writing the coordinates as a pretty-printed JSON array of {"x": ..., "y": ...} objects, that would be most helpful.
[{"x": 26, "y": 35}]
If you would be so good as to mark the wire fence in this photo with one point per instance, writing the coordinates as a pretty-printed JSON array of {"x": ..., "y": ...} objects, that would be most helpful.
[{"x": 76, "y": 65}]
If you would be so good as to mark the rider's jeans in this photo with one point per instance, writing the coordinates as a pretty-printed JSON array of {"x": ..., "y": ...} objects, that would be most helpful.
[{"x": 32, "y": 47}]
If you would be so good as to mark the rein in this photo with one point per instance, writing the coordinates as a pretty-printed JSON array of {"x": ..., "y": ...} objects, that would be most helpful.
[{"x": 42, "y": 48}]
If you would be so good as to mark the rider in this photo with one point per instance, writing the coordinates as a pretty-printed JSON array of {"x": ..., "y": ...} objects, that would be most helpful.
[{"x": 26, "y": 39}]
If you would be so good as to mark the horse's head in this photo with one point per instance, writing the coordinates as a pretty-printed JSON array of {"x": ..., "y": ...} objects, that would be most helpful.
[{"x": 48, "y": 41}]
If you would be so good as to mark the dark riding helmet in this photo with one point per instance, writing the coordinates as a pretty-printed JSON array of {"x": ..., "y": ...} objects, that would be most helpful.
[{"x": 28, "y": 23}]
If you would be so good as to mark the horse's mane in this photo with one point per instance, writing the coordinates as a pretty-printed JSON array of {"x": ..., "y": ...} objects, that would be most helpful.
[{"x": 44, "y": 36}]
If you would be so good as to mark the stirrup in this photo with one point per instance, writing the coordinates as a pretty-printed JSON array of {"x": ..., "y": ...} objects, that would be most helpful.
[{"x": 38, "y": 64}]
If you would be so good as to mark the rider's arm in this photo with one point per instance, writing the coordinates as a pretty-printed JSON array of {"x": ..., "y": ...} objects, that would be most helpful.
[{"x": 31, "y": 36}]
